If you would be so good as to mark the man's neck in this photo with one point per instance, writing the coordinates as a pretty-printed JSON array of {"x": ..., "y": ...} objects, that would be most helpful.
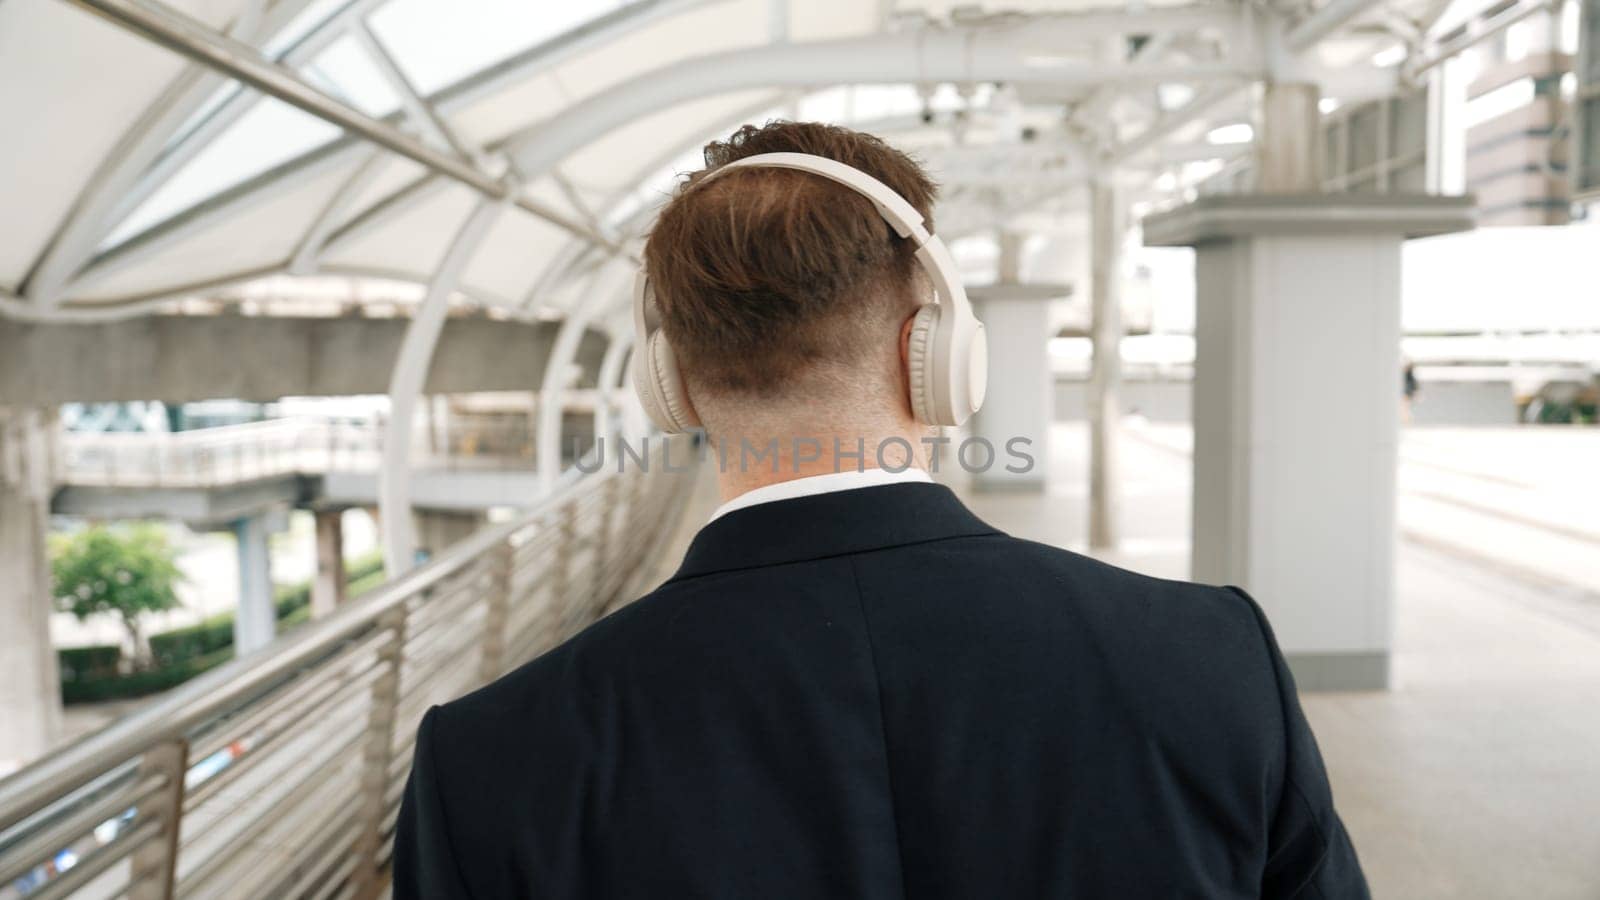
[{"x": 754, "y": 460}]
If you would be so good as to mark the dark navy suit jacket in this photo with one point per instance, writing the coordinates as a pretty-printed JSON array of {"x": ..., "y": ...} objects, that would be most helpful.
[{"x": 873, "y": 694}]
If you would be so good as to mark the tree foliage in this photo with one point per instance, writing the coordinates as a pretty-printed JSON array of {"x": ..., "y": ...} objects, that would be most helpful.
[{"x": 128, "y": 571}]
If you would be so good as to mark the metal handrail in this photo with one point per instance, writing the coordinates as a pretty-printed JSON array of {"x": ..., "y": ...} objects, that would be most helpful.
[{"x": 463, "y": 618}]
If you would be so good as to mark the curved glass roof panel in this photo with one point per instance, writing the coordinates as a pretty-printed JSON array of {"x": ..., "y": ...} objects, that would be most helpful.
[
  {"x": 345, "y": 71},
  {"x": 269, "y": 134},
  {"x": 259, "y": 236},
  {"x": 439, "y": 43}
]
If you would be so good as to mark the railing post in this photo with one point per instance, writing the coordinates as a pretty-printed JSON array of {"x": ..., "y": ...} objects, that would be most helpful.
[
  {"x": 497, "y": 610},
  {"x": 636, "y": 494},
  {"x": 383, "y": 704},
  {"x": 601, "y": 565},
  {"x": 566, "y": 548},
  {"x": 637, "y": 482},
  {"x": 154, "y": 865}
]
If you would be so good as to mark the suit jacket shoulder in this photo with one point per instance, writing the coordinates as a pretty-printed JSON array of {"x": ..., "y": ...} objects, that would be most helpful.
[{"x": 875, "y": 694}]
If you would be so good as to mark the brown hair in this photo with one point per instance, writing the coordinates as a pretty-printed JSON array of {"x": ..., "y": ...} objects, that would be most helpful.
[{"x": 761, "y": 273}]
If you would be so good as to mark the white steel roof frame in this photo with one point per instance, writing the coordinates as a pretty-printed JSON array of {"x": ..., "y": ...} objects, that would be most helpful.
[{"x": 963, "y": 54}]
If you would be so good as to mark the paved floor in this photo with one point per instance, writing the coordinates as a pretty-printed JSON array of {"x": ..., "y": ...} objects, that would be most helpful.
[{"x": 1478, "y": 775}]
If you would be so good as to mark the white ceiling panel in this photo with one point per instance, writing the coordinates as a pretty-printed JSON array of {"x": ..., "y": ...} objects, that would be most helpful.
[
  {"x": 414, "y": 240},
  {"x": 699, "y": 32},
  {"x": 63, "y": 114},
  {"x": 513, "y": 254},
  {"x": 263, "y": 234},
  {"x": 397, "y": 172},
  {"x": 491, "y": 119},
  {"x": 828, "y": 20},
  {"x": 614, "y": 162}
]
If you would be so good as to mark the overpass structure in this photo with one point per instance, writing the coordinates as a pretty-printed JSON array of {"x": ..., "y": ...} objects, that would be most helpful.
[
  {"x": 261, "y": 198},
  {"x": 244, "y": 479}
]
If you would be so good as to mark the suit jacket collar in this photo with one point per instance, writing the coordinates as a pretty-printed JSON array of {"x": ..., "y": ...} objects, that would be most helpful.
[{"x": 830, "y": 524}]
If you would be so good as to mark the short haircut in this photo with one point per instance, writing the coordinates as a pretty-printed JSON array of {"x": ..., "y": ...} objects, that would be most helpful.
[{"x": 763, "y": 273}]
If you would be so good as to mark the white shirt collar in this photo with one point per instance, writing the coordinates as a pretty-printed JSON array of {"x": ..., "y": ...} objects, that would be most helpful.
[{"x": 820, "y": 484}]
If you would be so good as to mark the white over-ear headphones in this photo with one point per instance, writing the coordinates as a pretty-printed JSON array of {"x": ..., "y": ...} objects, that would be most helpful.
[{"x": 949, "y": 354}]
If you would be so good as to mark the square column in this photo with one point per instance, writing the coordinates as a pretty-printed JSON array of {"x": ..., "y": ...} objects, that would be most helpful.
[
  {"x": 30, "y": 684},
  {"x": 328, "y": 589},
  {"x": 1296, "y": 411},
  {"x": 1107, "y": 233},
  {"x": 439, "y": 530},
  {"x": 1019, "y": 399},
  {"x": 255, "y": 622}
]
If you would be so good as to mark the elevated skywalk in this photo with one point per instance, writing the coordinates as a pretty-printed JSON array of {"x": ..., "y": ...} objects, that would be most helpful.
[{"x": 222, "y": 473}]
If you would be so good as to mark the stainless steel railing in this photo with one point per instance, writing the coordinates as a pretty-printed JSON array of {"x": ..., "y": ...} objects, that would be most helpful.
[{"x": 280, "y": 774}]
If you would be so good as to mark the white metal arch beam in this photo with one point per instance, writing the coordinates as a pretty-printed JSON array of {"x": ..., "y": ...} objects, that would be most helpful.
[
  {"x": 308, "y": 252},
  {"x": 961, "y": 54},
  {"x": 405, "y": 384},
  {"x": 552, "y": 394},
  {"x": 1325, "y": 20},
  {"x": 610, "y": 377}
]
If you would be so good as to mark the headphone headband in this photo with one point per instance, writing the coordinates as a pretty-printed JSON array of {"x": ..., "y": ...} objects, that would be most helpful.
[
  {"x": 949, "y": 351},
  {"x": 895, "y": 209}
]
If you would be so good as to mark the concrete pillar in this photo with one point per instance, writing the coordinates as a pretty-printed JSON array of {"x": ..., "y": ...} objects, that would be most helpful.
[
  {"x": 30, "y": 684},
  {"x": 1296, "y": 411},
  {"x": 1288, "y": 143},
  {"x": 255, "y": 621},
  {"x": 328, "y": 588},
  {"x": 1107, "y": 230},
  {"x": 1016, "y": 413},
  {"x": 438, "y": 530}
]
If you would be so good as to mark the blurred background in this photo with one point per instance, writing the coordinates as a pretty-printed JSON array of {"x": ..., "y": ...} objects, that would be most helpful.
[{"x": 310, "y": 309}]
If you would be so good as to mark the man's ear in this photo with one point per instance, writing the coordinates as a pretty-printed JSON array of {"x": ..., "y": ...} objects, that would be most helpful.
[
  {"x": 905, "y": 343},
  {"x": 905, "y": 365}
]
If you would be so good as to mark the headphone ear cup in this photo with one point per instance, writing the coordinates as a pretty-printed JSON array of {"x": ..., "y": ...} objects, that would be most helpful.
[
  {"x": 655, "y": 380},
  {"x": 921, "y": 364},
  {"x": 644, "y": 382},
  {"x": 671, "y": 396}
]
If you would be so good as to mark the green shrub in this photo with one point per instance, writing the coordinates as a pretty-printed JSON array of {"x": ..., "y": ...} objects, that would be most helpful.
[
  {"x": 182, "y": 653},
  {"x": 191, "y": 641},
  {"x": 140, "y": 684},
  {"x": 365, "y": 583},
  {"x": 81, "y": 663},
  {"x": 365, "y": 565}
]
